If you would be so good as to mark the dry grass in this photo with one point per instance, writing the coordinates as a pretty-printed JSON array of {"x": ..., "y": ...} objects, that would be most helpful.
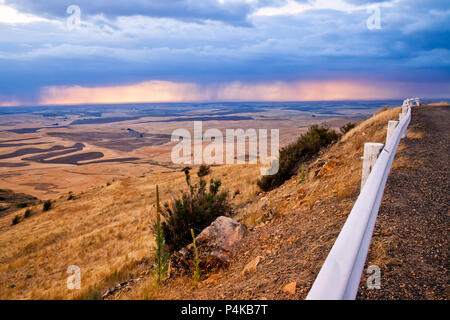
[
  {"x": 438, "y": 104},
  {"x": 148, "y": 290},
  {"x": 404, "y": 162},
  {"x": 103, "y": 230},
  {"x": 415, "y": 134},
  {"x": 339, "y": 179}
]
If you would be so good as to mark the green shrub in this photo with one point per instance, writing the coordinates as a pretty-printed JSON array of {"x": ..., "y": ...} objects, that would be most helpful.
[
  {"x": 347, "y": 127},
  {"x": 307, "y": 146},
  {"x": 47, "y": 205},
  {"x": 27, "y": 213},
  {"x": 203, "y": 171},
  {"x": 197, "y": 276},
  {"x": 303, "y": 177},
  {"x": 21, "y": 205},
  {"x": 195, "y": 209}
]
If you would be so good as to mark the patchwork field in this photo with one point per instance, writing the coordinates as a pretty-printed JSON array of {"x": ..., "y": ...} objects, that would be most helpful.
[{"x": 49, "y": 151}]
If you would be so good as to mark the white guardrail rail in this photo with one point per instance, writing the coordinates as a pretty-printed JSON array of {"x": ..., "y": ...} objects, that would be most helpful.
[{"x": 341, "y": 272}]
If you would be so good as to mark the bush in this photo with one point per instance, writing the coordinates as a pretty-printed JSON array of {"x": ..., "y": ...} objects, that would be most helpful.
[
  {"x": 21, "y": 205},
  {"x": 47, "y": 205},
  {"x": 203, "y": 171},
  {"x": 306, "y": 146},
  {"x": 347, "y": 127},
  {"x": 27, "y": 213},
  {"x": 15, "y": 220},
  {"x": 195, "y": 209},
  {"x": 197, "y": 276}
]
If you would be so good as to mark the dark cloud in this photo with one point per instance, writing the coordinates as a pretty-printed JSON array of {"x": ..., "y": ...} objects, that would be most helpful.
[
  {"x": 229, "y": 11},
  {"x": 318, "y": 44}
]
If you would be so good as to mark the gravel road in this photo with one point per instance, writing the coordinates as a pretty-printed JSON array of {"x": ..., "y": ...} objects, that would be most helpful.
[{"x": 413, "y": 221}]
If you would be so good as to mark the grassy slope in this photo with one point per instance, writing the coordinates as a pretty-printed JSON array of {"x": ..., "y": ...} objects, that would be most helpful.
[
  {"x": 105, "y": 230},
  {"x": 297, "y": 225}
]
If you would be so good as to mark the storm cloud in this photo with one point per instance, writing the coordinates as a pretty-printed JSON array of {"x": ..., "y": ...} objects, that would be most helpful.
[{"x": 216, "y": 43}]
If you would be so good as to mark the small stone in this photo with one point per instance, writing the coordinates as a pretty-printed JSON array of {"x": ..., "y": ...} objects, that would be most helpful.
[
  {"x": 290, "y": 287},
  {"x": 265, "y": 236},
  {"x": 251, "y": 266},
  {"x": 292, "y": 239}
]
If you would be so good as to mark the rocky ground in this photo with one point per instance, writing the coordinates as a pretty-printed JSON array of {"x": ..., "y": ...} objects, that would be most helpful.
[
  {"x": 269, "y": 263},
  {"x": 414, "y": 215},
  {"x": 280, "y": 257}
]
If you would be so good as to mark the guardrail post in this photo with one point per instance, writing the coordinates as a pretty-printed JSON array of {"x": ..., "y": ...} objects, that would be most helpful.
[
  {"x": 405, "y": 106},
  {"x": 400, "y": 117},
  {"x": 392, "y": 124},
  {"x": 404, "y": 109},
  {"x": 371, "y": 152}
]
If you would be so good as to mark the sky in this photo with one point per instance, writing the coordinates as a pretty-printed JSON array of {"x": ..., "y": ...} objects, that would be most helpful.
[{"x": 102, "y": 51}]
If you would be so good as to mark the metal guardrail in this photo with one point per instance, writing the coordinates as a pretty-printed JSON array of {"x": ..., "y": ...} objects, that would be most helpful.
[{"x": 341, "y": 272}]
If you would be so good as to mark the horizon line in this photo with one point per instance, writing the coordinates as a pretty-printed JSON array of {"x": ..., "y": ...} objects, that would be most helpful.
[{"x": 207, "y": 101}]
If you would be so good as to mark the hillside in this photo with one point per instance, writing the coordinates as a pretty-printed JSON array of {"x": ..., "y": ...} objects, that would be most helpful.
[
  {"x": 296, "y": 225},
  {"x": 105, "y": 230}
]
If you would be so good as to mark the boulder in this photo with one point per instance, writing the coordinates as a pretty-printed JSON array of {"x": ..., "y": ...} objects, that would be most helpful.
[{"x": 214, "y": 245}]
